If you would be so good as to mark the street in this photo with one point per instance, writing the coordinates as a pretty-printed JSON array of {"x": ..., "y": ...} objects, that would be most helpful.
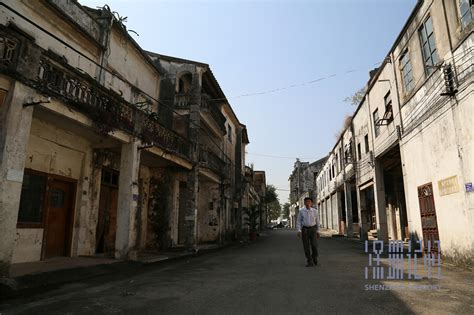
[{"x": 265, "y": 277}]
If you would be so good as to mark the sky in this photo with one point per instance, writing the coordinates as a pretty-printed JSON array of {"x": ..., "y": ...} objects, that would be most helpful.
[{"x": 259, "y": 46}]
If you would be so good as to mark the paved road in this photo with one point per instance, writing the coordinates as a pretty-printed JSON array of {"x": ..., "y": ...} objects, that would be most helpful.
[{"x": 267, "y": 277}]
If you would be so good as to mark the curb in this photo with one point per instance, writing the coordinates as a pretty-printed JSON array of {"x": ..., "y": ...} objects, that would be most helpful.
[{"x": 32, "y": 284}]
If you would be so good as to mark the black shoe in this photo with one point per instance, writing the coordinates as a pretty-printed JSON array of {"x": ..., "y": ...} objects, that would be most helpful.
[
  {"x": 315, "y": 261},
  {"x": 310, "y": 264}
]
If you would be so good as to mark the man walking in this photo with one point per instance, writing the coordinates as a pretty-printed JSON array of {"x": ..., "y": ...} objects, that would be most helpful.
[{"x": 307, "y": 224}]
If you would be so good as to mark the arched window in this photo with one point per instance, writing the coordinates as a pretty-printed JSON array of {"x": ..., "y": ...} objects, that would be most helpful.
[{"x": 184, "y": 83}]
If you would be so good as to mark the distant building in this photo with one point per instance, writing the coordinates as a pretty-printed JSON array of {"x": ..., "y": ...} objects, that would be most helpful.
[{"x": 302, "y": 185}]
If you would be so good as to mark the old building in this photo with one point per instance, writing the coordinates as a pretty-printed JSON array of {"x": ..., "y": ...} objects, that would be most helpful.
[
  {"x": 302, "y": 185},
  {"x": 102, "y": 151},
  {"x": 407, "y": 150},
  {"x": 336, "y": 197},
  {"x": 202, "y": 114}
]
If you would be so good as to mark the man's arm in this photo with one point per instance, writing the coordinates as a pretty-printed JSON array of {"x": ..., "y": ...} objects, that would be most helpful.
[{"x": 298, "y": 221}]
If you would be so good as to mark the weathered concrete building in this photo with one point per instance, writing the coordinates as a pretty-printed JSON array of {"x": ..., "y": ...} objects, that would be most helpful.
[
  {"x": 437, "y": 112},
  {"x": 99, "y": 153},
  {"x": 302, "y": 185},
  {"x": 412, "y": 136},
  {"x": 203, "y": 115},
  {"x": 335, "y": 184}
]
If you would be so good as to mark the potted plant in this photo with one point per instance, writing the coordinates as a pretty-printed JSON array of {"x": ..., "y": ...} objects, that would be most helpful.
[{"x": 251, "y": 221}]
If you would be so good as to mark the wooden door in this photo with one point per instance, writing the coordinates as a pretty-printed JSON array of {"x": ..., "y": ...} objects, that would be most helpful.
[
  {"x": 59, "y": 215},
  {"x": 429, "y": 224},
  {"x": 183, "y": 193},
  {"x": 107, "y": 221}
]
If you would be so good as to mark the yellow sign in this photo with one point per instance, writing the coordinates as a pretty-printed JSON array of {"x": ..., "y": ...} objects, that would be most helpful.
[{"x": 448, "y": 186}]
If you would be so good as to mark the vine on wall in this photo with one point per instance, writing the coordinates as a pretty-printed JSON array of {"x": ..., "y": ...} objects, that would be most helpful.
[{"x": 159, "y": 214}]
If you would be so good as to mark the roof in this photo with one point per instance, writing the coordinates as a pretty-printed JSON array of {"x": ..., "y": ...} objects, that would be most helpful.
[
  {"x": 176, "y": 59},
  {"x": 245, "y": 135},
  {"x": 320, "y": 161},
  {"x": 208, "y": 72}
]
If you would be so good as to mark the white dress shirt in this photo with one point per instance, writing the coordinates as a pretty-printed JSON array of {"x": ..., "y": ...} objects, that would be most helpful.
[{"x": 308, "y": 218}]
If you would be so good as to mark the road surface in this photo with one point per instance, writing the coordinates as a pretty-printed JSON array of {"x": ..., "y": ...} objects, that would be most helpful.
[{"x": 266, "y": 277}]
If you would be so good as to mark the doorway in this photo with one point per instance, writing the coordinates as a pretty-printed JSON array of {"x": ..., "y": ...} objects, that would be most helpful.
[
  {"x": 58, "y": 221},
  {"x": 107, "y": 220},
  {"x": 183, "y": 189},
  {"x": 429, "y": 222}
]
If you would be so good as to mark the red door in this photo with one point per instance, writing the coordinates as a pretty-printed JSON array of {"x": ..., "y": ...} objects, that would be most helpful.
[
  {"x": 59, "y": 214},
  {"x": 429, "y": 223}
]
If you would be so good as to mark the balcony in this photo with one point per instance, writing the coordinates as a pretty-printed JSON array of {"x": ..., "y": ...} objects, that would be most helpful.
[
  {"x": 210, "y": 106},
  {"x": 105, "y": 108},
  {"x": 214, "y": 162},
  {"x": 10, "y": 47},
  {"x": 182, "y": 100}
]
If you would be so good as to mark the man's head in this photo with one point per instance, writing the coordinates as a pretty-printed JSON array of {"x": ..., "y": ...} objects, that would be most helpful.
[{"x": 308, "y": 202}]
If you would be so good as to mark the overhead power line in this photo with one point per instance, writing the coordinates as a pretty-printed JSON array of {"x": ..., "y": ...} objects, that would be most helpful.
[{"x": 281, "y": 157}]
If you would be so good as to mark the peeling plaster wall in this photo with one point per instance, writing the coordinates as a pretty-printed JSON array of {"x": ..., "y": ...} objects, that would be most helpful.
[
  {"x": 47, "y": 18},
  {"x": 143, "y": 205},
  {"x": 129, "y": 63},
  {"x": 208, "y": 219},
  {"x": 28, "y": 244},
  {"x": 56, "y": 151}
]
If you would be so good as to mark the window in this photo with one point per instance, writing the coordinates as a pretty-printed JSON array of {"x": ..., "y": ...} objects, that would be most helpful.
[
  {"x": 407, "y": 74},
  {"x": 366, "y": 142},
  {"x": 110, "y": 177},
  {"x": 466, "y": 8},
  {"x": 359, "y": 152},
  {"x": 229, "y": 133},
  {"x": 341, "y": 160},
  {"x": 3, "y": 96},
  {"x": 32, "y": 199},
  {"x": 388, "y": 116},
  {"x": 376, "y": 119},
  {"x": 428, "y": 45}
]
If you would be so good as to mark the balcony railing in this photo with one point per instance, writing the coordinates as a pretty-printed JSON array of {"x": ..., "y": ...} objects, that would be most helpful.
[
  {"x": 9, "y": 47},
  {"x": 212, "y": 108},
  {"x": 182, "y": 100},
  {"x": 214, "y": 162},
  {"x": 107, "y": 110}
]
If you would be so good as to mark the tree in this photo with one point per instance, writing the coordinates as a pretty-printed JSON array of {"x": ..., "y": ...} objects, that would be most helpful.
[
  {"x": 286, "y": 211},
  {"x": 356, "y": 98},
  {"x": 272, "y": 203},
  {"x": 271, "y": 194},
  {"x": 274, "y": 210}
]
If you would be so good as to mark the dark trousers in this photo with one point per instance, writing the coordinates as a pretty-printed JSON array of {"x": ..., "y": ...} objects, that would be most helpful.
[{"x": 310, "y": 243}]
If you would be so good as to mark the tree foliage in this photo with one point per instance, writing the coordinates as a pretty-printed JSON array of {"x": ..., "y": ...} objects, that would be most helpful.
[
  {"x": 272, "y": 202},
  {"x": 356, "y": 98},
  {"x": 286, "y": 211},
  {"x": 274, "y": 210},
  {"x": 271, "y": 195}
]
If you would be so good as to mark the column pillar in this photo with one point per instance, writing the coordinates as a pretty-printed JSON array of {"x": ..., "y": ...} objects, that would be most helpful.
[
  {"x": 127, "y": 201},
  {"x": 362, "y": 210},
  {"x": 348, "y": 201},
  {"x": 339, "y": 212},
  {"x": 380, "y": 205},
  {"x": 15, "y": 124}
]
